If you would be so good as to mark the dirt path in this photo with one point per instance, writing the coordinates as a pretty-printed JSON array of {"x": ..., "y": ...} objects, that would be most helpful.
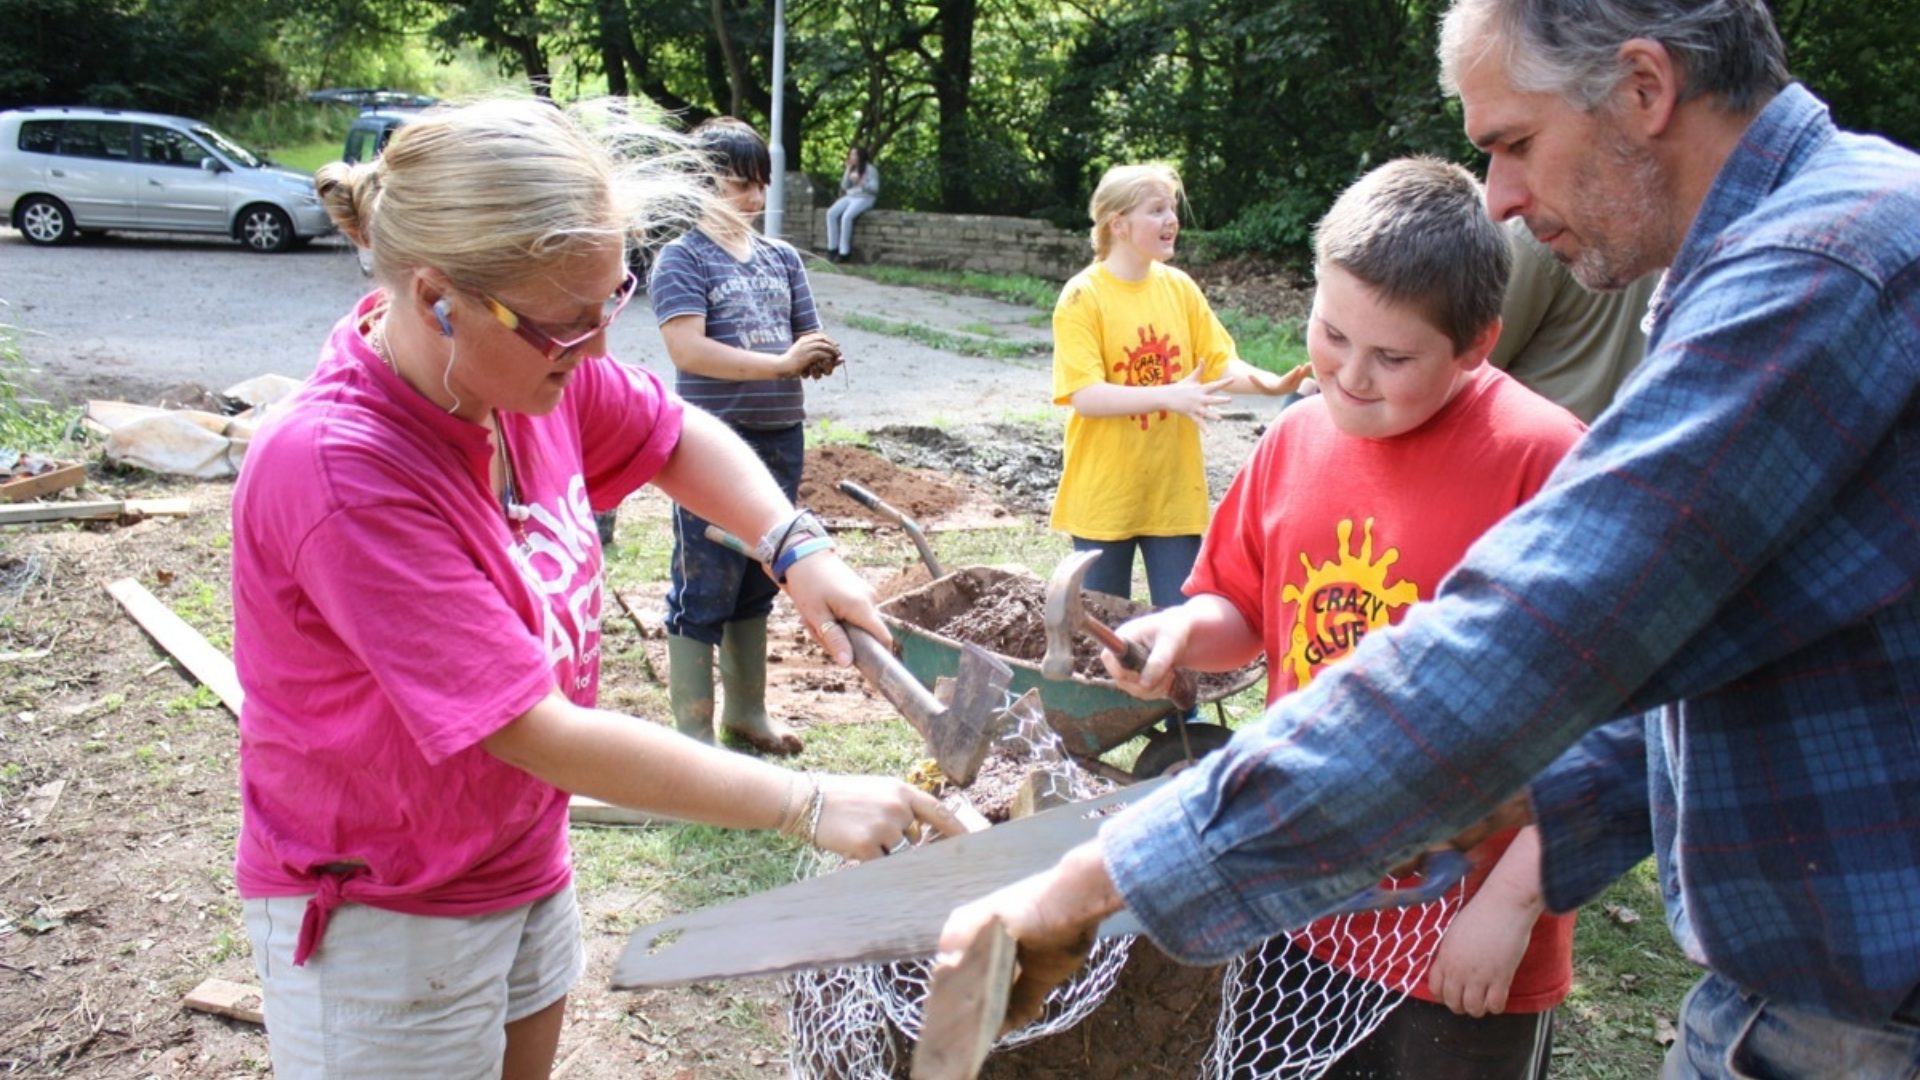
[{"x": 117, "y": 804}]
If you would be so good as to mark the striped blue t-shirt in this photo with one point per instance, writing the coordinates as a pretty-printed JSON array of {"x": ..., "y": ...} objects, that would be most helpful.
[{"x": 762, "y": 304}]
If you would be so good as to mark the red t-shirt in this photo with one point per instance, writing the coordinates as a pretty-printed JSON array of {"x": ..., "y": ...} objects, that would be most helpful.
[{"x": 1325, "y": 537}]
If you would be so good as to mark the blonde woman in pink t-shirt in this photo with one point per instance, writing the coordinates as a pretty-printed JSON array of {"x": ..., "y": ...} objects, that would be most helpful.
[{"x": 417, "y": 604}]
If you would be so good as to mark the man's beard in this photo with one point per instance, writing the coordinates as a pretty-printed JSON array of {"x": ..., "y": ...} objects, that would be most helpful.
[{"x": 1626, "y": 213}]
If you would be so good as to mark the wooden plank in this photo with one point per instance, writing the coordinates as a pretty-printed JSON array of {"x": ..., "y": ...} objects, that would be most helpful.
[
  {"x": 966, "y": 1004},
  {"x": 582, "y": 810},
  {"x": 182, "y": 642},
  {"x": 28, "y": 513},
  {"x": 46, "y": 483},
  {"x": 222, "y": 998}
]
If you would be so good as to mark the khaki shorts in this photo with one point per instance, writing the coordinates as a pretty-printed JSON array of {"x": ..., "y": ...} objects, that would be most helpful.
[{"x": 389, "y": 995}]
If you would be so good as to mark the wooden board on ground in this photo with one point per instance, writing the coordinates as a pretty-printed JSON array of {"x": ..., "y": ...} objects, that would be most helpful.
[
  {"x": 28, "y": 513},
  {"x": 231, "y": 999},
  {"x": 182, "y": 642},
  {"x": 46, "y": 483},
  {"x": 582, "y": 810},
  {"x": 966, "y": 1003}
]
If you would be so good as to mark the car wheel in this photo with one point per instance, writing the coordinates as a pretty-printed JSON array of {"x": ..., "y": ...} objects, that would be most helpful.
[
  {"x": 45, "y": 221},
  {"x": 1166, "y": 752},
  {"x": 265, "y": 228}
]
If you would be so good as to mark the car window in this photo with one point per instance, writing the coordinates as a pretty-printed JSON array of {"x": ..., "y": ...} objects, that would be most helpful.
[
  {"x": 165, "y": 146},
  {"x": 240, "y": 154},
  {"x": 357, "y": 139},
  {"x": 110, "y": 139},
  {"x": 40, "y": 136}
]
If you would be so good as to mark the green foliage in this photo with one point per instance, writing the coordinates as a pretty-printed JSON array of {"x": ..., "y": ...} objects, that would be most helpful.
[
  {"x": 1264, "y": 343},
  {"x": 28, "y": 424}
]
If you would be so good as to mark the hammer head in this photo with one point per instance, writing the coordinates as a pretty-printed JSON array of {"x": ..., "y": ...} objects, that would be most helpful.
[
  {"x": 963, "y": 729},
  {"x": 1062, "y": 613}
]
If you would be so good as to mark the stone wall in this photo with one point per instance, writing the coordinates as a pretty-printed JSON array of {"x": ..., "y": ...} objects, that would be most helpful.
[{"x": 985, "y": 243}]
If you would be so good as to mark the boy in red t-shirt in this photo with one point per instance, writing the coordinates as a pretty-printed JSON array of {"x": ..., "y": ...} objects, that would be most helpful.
[{"x": 1355, "y": 505}]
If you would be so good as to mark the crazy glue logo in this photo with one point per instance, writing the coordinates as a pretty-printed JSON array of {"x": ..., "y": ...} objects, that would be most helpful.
[
  {"x": 1155, "y": 363},
  {"x": 1341, "y": 601},
  {"x": 560, "y": 560}
]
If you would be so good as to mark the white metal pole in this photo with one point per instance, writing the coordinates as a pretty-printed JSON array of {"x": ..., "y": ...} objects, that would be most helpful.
[{"x": 776, "y": 142}]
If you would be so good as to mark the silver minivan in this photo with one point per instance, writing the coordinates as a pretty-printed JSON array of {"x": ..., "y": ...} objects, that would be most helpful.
[{"x": 66, "y": 170}]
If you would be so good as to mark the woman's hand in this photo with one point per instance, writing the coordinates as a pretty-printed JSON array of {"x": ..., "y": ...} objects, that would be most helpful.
[
  {"x": 867, "y": 817},
  {"x": 826, "y": 592}
]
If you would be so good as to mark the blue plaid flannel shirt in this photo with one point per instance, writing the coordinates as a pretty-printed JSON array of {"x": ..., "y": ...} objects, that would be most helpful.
[{"x": 1730, "y": 552}]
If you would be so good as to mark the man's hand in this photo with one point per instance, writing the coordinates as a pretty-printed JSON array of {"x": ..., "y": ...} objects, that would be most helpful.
[{"x": 1051, "y": 916}]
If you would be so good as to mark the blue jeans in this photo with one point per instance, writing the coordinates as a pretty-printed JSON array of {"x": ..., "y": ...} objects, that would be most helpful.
[
  {"x": 712, "y": 585},
  {"x": 1169, "y": 560},
  {"x": 1726, "y": 1032}
]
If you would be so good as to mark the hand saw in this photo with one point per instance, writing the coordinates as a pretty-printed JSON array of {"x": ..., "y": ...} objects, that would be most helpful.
[{"x": 894, "y": 908}]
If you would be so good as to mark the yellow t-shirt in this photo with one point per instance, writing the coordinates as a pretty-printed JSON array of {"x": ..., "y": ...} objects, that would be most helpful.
[{"x": 1127, "y": 476}]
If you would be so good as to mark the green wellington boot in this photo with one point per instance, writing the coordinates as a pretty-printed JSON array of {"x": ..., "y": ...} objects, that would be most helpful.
[
  {"x": 743, "y": 684},
  {"x": 690, "y": 686}
]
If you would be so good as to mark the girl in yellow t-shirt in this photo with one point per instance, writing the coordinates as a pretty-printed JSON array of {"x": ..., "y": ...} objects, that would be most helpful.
[{"x": 1142, "y": 361}]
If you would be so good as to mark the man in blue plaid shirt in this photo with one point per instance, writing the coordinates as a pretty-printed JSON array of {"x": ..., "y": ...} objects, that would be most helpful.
[{"x": 1728, "y": 558}]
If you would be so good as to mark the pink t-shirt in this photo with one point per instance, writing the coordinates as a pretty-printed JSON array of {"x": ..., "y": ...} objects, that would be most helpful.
[{"x": 388, "y": 617}]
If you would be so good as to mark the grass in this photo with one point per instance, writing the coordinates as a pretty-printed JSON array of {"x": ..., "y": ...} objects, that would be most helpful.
[
  {"x": 308, "y": 156},
  {"x": 1012, "y": 288},
  {"x": 948, "y": 341},
  {"x": 1262, "y": 342},
  {"x": 29, "y": 424}
]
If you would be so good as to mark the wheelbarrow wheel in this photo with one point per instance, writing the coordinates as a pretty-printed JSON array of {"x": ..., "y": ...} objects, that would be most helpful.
[{"x": 1166, "y": 752}]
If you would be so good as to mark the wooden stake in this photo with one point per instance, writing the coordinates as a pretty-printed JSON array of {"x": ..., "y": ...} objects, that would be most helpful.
[
  {"x": 29, "y": 513},
  {"x": 966, "y": 1004},
  {"x": 32, "y": 487}
]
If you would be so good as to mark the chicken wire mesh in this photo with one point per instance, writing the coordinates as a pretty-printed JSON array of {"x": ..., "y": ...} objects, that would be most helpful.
[
  {"x": 1289, "y": 1007},
  {"x": 857, "y": 1023}
]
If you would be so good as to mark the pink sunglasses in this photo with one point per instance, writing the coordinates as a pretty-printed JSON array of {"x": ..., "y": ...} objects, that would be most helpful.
[{"x": 556, "y": 349}]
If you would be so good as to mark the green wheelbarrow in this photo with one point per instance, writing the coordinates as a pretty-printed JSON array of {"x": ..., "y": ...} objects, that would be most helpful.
[{"x": 1091, "y": 714}]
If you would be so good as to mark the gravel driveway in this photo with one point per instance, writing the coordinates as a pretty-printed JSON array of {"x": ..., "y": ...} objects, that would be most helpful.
[
  {"x": 127, "y": 317},
  {"x": 130, "y": 316}
]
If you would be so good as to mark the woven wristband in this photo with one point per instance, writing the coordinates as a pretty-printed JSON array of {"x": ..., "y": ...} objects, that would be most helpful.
[{"x": 797, "y": 552}]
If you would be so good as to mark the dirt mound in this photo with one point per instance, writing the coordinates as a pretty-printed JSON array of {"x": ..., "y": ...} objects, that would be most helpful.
[
  {"x": 1256, "y": 286},
  {"x": 1158, "y": 1021},
  {"x": 920, "y": 494},
  {"x": 1021, "y": 463}
]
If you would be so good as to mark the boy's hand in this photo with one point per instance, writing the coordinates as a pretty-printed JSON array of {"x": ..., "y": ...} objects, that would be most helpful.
[
  {"x": 811, "y": 356},
  {"x": 1473, "y": 968},
  {"x": 1164, "y": 635},
  {"x": 1196, "y": 400}
]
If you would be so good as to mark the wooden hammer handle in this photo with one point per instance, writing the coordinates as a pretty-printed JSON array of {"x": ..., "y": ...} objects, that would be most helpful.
[{"x": 1133, "y": 656}]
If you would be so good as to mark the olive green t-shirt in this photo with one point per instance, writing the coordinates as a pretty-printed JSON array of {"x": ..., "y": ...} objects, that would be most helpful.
[{"x": 1567, "y": 343}]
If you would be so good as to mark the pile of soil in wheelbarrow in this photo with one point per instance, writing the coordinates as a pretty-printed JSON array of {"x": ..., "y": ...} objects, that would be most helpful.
[{"x": 1008, "y": 616}]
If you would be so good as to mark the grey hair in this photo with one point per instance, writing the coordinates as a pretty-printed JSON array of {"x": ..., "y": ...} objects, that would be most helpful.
[
  {"x": 1729, "y": 50},
  {"x": 489, "y": 191},
  {"x": 1416, "y": 231}
]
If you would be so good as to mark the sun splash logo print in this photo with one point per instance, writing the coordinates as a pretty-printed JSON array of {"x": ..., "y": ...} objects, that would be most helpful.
[
  {"x": 1342, "y": 601},
  {"x": 1155, "y": 363}
]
